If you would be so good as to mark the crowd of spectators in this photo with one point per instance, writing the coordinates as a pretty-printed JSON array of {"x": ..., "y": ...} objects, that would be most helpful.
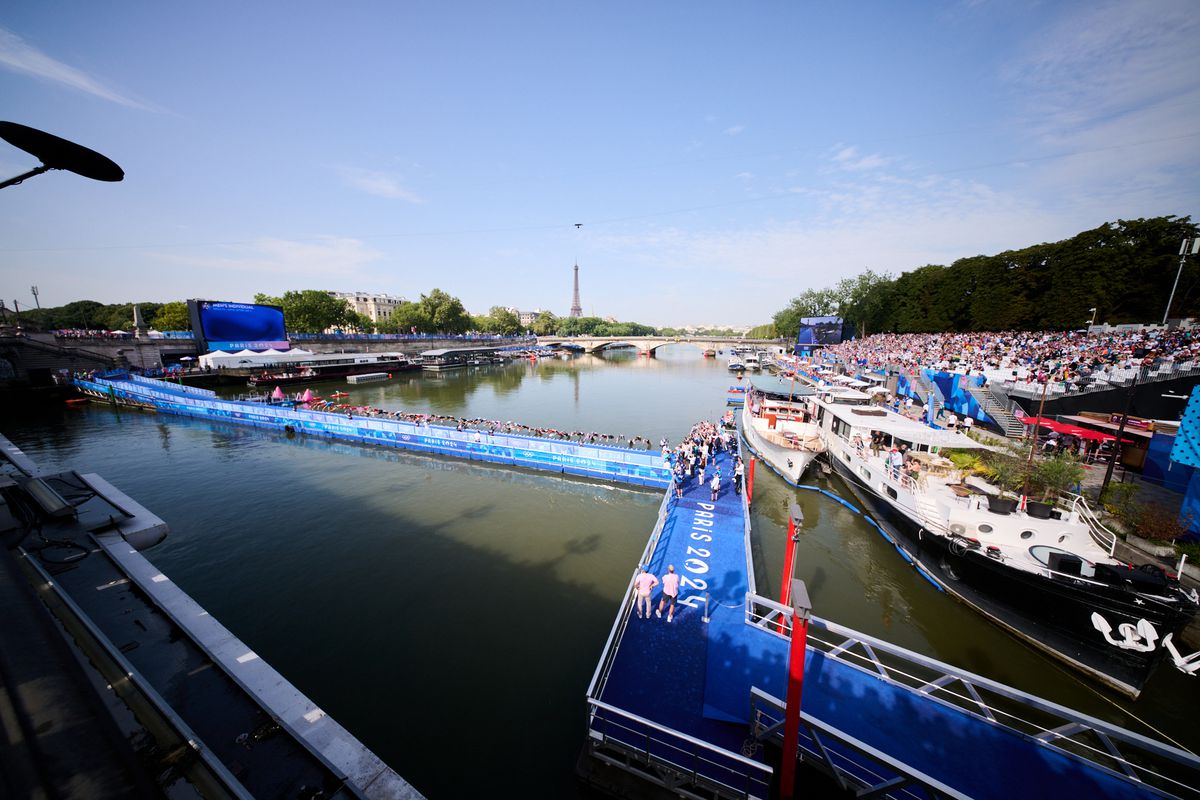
[
  {"x": 1018, "y": 356},
  {"x": 481, "y": 425},
  {"x": 88, "y": 333}
]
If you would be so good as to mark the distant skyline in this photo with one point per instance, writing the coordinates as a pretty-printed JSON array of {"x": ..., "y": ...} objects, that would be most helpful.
[{"x": 720, "y": 158}]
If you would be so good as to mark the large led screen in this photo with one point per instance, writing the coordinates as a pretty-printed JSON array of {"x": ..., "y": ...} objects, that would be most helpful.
[
  {"x": 820, "y": 331},
  {"x": 237, "y": 326}
]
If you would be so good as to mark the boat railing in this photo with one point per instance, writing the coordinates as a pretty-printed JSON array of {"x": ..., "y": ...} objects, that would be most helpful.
[
  {"x": 1100, "y": 534},
  {"x": 1167, "y": 769}
]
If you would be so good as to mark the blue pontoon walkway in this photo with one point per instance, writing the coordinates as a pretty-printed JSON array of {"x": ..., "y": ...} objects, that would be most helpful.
[
  {"x": 690, "y": 704},
  {"x": 618, "y": 464}
]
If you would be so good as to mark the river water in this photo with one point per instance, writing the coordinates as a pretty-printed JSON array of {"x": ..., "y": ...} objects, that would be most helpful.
[{"x": 449, "y": 614}]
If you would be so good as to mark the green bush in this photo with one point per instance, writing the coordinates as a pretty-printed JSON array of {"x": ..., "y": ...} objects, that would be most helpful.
[
  {"x": 1119, "y": 500},
  {"x": 1057, "y": 474}
]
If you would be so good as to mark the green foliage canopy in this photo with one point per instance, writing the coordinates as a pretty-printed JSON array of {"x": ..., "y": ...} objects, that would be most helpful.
[{"x": 1124, "y": 269}]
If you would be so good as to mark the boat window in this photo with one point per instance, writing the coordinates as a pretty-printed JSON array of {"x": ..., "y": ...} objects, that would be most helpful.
[
  {"x": 846, "y": 457},
  {"x": 1042, "y": 552},
  {"x": 890, "y": 492},
  {"x": 1026, "y": 534},
  {"x": 985, "y": 528},
  {"x": 865, "y": 473}
]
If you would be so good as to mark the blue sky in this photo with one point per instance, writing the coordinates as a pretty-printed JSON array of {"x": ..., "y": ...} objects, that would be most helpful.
[{"x": 722, "y": 157}]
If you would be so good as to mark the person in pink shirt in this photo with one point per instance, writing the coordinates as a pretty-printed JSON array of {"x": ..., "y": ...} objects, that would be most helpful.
[
  {"x": 670, "y": 592},
  {"x": 643, "y": 584}
]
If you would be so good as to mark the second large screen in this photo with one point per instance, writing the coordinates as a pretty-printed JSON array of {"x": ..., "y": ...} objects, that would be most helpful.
[
  {"x": 820, "y": 330},
  {"x": 238, "y": 326}
]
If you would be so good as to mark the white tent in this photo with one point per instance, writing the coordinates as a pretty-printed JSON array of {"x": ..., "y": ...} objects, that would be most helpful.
[{"x": 250, "y": 359}]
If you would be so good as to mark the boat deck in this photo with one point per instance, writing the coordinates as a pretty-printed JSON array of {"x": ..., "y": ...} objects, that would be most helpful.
[{"x": 678, "y": 696}]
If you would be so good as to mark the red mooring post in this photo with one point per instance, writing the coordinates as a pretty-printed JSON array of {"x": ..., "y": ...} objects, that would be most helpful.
[
  {"x": 795, "y": 519},
  {"x": 795, "y": 688},
  {"x": 750, "y": 482}
]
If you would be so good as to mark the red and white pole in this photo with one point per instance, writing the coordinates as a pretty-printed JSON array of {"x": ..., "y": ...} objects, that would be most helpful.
[
  {"x": 795, "y": 519},
  {"x": 795, "y": 688}
]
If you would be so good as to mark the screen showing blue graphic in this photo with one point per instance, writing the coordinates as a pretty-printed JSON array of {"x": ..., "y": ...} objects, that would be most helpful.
[
  {"x": 820, "y": 331},
  {"x": 238, "y": 326}
]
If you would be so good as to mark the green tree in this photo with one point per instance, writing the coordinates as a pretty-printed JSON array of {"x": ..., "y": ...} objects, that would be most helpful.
[
  {"x": 313, "y": 311},
  {"x": 762, "y": 332},
  {"x": 406, "y": 316},
  {"x": 863, "y": 299},
  {"x": 546, "y": 324},
  {"x": 172, "y": 316},
  {"x": 444, "y": 312},
  {"x": 810, "y": 303},
  {"x": 504, "y": 322}
]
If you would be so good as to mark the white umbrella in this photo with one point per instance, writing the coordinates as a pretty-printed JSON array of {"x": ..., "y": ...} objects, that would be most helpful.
[{"x": 877, "y": 390}]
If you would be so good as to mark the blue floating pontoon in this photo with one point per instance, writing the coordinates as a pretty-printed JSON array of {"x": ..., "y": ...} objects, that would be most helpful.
[{"x": 698, "y": 698}]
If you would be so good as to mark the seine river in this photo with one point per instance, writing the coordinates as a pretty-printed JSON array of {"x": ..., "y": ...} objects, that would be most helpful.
[{"x": 450, "y": 615}]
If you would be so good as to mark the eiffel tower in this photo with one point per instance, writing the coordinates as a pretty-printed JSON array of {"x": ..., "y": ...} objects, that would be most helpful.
[{"x": 576, "y": 309}]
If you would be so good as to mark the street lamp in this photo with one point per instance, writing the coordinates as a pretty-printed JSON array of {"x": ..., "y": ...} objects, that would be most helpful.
[
  {"x": 1189, "y": 247},
  {"x": 56, "y": 153},
  {"x": 1093, "y": 320}
]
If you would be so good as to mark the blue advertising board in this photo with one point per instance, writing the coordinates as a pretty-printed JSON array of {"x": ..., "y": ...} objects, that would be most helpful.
[{"x": 237, "y": 326}]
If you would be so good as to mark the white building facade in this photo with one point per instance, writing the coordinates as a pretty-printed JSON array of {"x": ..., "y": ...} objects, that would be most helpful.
[{"x": 376, "y": 307}]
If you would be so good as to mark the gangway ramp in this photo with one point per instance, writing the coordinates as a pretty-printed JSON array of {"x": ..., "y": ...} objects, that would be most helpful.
[{"x": 691, "y": 705}]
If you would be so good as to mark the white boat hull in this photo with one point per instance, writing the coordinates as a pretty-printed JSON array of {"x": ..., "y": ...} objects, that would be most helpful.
[{"x": 789, "y": 462}]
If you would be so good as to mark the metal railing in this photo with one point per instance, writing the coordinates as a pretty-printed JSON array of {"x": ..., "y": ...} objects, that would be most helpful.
[
  {"x": 1100, "y": 534},
  {"x": 195, "y": 761},
  {"x": 1041, "y": 722},
  {"x": 690, "y": 760}
]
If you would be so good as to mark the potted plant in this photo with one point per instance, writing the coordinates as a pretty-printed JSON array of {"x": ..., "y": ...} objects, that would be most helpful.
[{"x": 1057, "y": 474}]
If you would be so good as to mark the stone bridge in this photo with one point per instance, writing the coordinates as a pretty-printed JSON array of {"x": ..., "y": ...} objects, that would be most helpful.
[{"x": 650, "y": 344}]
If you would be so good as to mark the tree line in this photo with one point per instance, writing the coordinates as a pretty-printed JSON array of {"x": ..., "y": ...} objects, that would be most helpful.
[
  {"x": 315, "y": 311},
  {"x": 1124, "y": 270}
]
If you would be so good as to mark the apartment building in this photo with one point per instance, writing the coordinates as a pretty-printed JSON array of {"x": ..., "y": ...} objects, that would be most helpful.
[{"x": 376, "y": 307}]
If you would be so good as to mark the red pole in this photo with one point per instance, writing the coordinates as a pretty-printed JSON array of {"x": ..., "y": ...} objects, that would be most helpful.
[
  {"x": 791, "y": 719},
  {"x": 789, "y": 557},
  {"x": 750, "y": 482}
]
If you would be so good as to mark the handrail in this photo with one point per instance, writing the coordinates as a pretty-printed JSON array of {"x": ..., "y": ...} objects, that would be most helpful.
[
  {"x": 737, "y": 757},
  {"x": 839, "y": 642},
  {"x": 821, "y": 754},
  {"x": 1100, "y": 534}
]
